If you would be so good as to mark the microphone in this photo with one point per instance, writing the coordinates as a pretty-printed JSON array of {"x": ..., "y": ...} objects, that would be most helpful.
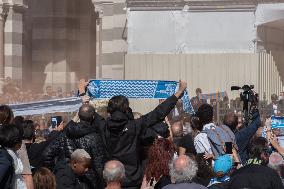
[{"x": 234, "y": 88}]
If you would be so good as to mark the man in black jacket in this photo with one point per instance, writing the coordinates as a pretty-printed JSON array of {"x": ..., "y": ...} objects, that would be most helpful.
[
  {"x": 71, "y": 175},
  {"x": 256, "y": 174},
  {"x": 122, "y": 132},
  {"x": 86, "y": 138}
]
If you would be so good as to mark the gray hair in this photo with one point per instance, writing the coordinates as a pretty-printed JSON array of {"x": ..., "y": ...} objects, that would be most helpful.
[
  {"x": 276, "y": 161},
  {"x": 114, "y": 171},
  {"x": 185, "y": 174},
  {"x": 80, "y": 155}
]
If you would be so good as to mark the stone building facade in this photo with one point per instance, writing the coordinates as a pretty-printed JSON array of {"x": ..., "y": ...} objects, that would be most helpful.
[{"x": 56, "y": 42}]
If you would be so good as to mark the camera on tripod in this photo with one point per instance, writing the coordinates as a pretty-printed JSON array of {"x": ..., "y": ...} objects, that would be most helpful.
[
  {"x": 249, "y": 97},
  {"x": 248, "y": 94}
]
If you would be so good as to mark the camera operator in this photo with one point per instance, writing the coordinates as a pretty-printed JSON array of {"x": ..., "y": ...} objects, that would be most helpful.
[{"x": 245, "y": 134}]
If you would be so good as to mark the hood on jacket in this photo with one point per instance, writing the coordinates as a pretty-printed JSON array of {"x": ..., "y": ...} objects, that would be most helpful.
[
  {"x": 79, "y": 130},
  {"x": 117, "y": 121}
]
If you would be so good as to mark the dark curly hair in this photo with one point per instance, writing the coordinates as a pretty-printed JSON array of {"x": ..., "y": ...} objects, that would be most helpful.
[
  {"x": 205, "y": 113},
  {"x": 159, "y": 156}
]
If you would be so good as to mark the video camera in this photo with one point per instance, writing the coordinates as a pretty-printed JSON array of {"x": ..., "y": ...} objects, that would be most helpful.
[{"x": 249, "y": 97}]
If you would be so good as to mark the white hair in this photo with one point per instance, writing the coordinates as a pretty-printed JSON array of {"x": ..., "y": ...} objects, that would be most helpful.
[
  {"x": 114, "y": 171},
  {"x": 185, "y": 174},
  {"x": 80, "y": 155},
  {"x": 276, "y": 161}
]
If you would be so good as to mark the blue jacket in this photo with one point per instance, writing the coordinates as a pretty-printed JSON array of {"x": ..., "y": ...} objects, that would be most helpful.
[{"x": 244, "y": 136}]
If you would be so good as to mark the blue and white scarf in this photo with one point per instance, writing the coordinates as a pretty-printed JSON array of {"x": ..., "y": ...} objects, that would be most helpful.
[
  {"x": 102, "y": 89},
  {"x": 277, "y": 122}
]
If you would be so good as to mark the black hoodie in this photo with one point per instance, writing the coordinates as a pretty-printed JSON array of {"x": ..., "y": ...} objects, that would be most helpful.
[{"x": 123, "y": 139}]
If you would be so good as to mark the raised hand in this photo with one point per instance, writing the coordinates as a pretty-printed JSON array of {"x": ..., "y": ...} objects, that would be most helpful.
[
  {"x": 82, "y": 85},
  {"x": 182, "y": 85}
]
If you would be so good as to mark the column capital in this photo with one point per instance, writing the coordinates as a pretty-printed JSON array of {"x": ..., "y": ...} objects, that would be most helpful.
[
  {"x": 4, "y": 10},
  {"x": 98, "y": 6},
  {"x": 17, "y": 5}
]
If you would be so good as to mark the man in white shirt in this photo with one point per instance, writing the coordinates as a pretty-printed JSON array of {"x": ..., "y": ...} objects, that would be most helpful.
[{"x": 201, "y": 142}]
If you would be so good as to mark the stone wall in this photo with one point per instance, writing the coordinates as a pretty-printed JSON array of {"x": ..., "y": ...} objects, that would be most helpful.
[{"x": 60, "y": 40}]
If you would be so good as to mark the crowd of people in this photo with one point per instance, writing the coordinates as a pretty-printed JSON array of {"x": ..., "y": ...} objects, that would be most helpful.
[
  {"x": 224, "y": 105},
  {"x": 165, "y": 148},
  {"x": 15, "y": 94}
]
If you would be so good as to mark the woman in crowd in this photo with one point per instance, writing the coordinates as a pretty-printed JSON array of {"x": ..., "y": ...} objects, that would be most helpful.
[
  {"x": 11, "y": 141},
  {"x": 6, "y": 117},
  {"x": 44, "y": 179},
  {"x": 157, "y": 170}
]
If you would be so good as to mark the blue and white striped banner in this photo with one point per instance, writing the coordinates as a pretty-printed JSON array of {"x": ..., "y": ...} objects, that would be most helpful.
[
  {"x": 277, "y": 122},
  {"x": 101, "y": 89},
  {"x": 49, "y": 106}
]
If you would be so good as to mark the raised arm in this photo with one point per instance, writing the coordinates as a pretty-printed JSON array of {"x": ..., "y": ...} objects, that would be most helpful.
[
  {"x": 82, "y": 87},
  {"x": 244, "y": 135},
  {"x": 163, "y": 109},
  {"x": 99, "y": 120}
]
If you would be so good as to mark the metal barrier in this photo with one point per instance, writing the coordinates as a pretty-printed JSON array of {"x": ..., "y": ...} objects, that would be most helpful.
[{"x": 220, "y": 109}]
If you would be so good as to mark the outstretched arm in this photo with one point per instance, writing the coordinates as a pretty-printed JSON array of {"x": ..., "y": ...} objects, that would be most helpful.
[
  {"x": 82, "y": 87},
  {"x": 163, "y": 109},
  {"x": 244, "y": 135}
]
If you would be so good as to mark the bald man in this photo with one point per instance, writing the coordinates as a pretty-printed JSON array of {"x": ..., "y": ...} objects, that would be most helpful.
[
  {"x": 276, "y": 162},
  {"x": 114, "y": 174},
  {"x": 182, "y": 171}
]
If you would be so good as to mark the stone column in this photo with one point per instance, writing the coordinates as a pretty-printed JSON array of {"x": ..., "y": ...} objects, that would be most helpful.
[
  {"x": 98, "y": 9},
  {"x": 13, "y": 53},
  {"x": 3, "y": 16}
]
